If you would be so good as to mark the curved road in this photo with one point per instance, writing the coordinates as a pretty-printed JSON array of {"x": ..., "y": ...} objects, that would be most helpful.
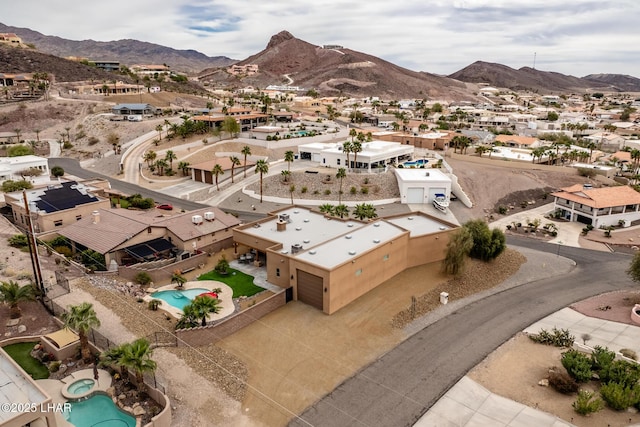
[{"x": 398, "y": 388}]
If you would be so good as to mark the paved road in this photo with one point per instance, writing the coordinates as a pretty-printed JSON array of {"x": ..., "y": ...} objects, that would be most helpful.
[
  {"x": 72, "y": 167},
  {"x": 397, "y": 389}
]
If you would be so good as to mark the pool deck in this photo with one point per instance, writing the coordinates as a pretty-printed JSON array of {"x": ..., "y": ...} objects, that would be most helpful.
[
  {"x": 226, "y": 297},
  {"x": 54, "y": 389}
]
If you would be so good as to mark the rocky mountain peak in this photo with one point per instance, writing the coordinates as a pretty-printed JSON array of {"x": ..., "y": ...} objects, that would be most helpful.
[{"x": 282, "y": 36}]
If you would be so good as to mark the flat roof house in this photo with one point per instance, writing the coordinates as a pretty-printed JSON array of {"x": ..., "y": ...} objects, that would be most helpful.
[
  {"x": 10, "y": 167},
  {"x": 374, "y": 154},
  {"x": 599, "y": 206},
  {"x": 420, "y": 186},
  {"x": 329, "y": 262}
]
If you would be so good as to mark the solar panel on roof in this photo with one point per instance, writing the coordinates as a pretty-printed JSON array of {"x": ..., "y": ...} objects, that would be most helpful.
[{"x": 61, "y": 198}]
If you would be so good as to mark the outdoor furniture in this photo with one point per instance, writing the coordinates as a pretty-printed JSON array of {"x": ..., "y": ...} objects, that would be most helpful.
[
  {"x": 242, "y": 259},
  {"x": 249, "y": 258}
]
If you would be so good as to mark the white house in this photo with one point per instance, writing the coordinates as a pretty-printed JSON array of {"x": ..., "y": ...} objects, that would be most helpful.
[
  {"x": 599, "y": 206},
  {"x": 374, "y": 154},
  {"x": 10, "y": 168},
  {"x": 420, "y": 186}
]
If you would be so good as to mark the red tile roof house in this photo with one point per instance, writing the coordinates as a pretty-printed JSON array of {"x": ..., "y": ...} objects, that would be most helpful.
[
  {"x": 600, "y": 207},
  {"x": 146, "y": 240}
]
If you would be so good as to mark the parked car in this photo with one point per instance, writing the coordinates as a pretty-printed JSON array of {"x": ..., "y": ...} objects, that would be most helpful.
[{"x": 165, "y": 207}]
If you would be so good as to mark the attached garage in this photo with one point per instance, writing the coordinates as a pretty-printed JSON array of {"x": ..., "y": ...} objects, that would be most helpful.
[
  {"x": 415, "y": 195},
  {"x": 310, "y": 289}
]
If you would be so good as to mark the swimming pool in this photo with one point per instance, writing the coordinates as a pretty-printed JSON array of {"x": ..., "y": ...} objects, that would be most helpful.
[
  {"x": 178, "y": 299},
  {"x": 415, "y": 163},
  {"x": 81, "y": 386},
  {"x": 99, "y": 411}
]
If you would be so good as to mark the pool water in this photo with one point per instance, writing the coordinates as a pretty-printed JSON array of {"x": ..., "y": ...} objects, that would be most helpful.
[
  {"x": 178, "y": 299},
  {"x": 415, "y": 163},
  {"x": 99, "y": 411},
  {"x": 81, "y": 386}
]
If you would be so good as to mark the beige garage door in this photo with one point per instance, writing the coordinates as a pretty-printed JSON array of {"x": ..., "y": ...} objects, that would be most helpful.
[{"x": 310, "y": 289}]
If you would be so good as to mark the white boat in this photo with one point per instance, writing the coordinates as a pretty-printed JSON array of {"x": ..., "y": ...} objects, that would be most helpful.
[{"x": 441, "y": 202}]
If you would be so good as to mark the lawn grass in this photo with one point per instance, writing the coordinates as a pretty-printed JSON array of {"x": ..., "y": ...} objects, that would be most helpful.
[
  {"x": 20, "y": 353},
  {"x": 241, "y": 283}
]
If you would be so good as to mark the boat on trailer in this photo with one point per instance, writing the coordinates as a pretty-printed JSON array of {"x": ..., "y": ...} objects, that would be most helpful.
[{"x": 441, "y": 202}]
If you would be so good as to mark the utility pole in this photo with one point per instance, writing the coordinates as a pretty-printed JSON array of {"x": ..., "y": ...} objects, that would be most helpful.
[{"x": 33, "y": 247}]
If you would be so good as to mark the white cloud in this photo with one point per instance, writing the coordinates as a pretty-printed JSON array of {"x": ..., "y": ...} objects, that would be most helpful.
[{"x": 578, "y": 37}]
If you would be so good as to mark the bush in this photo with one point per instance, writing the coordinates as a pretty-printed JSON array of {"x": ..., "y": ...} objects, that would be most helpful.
[
  {"x": 142, "y": 278},
  {"x": 10, "y": 186},
  {"x": 93, "y": 140},
  {"x": 589, "y": 173},
  {"x": 619, "y": 397},
  {"x": 304, "y": 189},
  {"x": 502, "y": 210},
  {"x": 601, "y": 358},
  {"x": 557, "y": 337},
  {"x": 577, "y": 365},
  {"x": 18, "y": 241},
  {"x": 327, "y": 192},
  {"x": 620, "y": 372},
  {"x": 57, "y": 171},
  {"x": 487, "y": 244},
  {"x": 54, "y": 366},
  {"x": 364, "y": 190},
  {"x": 563, "y": 382},
  {"x": 63, "y": 250},
  {"x": 353, "y": 190},
  {"x": 586, "y": 404},
  {"x": 19, "y": 150}
]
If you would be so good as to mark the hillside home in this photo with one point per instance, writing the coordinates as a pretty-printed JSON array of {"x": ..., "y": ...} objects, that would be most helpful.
[
  {"x": 133, "y": 109},
  {"x": 201, "y": 172},
  {"x": 150, "y": 70},
  {"x": 244, "y": 116},
  {"x": 374, "y": 155},
  {"x": 108, "y": 65},
  {"x": 606, "y": 140},
  {"x": 420, "y": 186},
  {"x": 330, "y": 262},
  {"x": 516, "y": 141},
  {"x": 127, "y": 237},
  {"x": 54, "y": 206},
  {"x": 599, "y": 207},
  {"x": 10, "y": 38},
  {"x": 432, "y": 140},
  {"x": 10, "y": 168}
]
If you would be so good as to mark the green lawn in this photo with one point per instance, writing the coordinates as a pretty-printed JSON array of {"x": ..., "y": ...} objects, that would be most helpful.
[
  {"x": 20, "y": 353},
  {"x": 241, "y": 283}
]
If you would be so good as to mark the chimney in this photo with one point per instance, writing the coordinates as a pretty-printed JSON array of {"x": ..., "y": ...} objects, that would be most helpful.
[
  {"x": 281, "y": 225},
  {"x": 96, "y": 216}
]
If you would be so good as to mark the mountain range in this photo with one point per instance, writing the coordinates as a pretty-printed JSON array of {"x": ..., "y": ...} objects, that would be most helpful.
[{"x": 287, "y": 60}]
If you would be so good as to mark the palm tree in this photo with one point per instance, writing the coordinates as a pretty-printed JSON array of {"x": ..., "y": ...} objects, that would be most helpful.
[
  {"x": 184, "y": 167},
  {"x": 364, "y": 211},
  {"x": 353, "y": 133},
  {"x": 170, "y": 156},
  {"x": 285, "y": 175},
  {"x": 137, "y": 357},
  {"x": 235, "y": 161},
  {"x": 11, "y": 293},
  {"x": 217, "y": 171},
  {"x": 292, "y": 188},
  {"x": 178, "y": 279},
  {"x": 341, "y": 211},
  {"x": 288, "y": 157},
  {"x": 355, "y": 149},
  {"x": 37, "y": 131},
  {"x": 262, "y": 167},
  {"x": 149, "y": 157},
  {"x": 81, "y": 318},
  {"x": 203, "y": 306},
  {"x": 113, "y": 357},
  {"x": 347, "y": 148},
  {"x": 159, "y": 130},
  {"x": 342, "y": 173},
  {"x": 161, "y": 165},
  {"x": 246, "y": 151},
  {"x": 327, "y": 208}
]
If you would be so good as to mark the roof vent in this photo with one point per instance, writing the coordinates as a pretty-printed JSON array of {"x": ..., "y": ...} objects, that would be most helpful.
[
  {"x": 284, "y": 217},
  {"x": 281, "y": 225},
  {"x": 312, "y": 252},
  {"x": 376, "y": 224},
  {"x": 196, "y": 219},
  {"x": 305, "y": 241},
  {"x": 410, "y": 218},
  {"x": 348, "y": 236},
  {"x": 443, "y": 228},
  {"x": 376, "y": 240},
  {"x": 349, "y": 225},
  {"x": 298, "y": 228},
  {"x": 209, "y": 216},
  {"x": 306, "y": 220},
  {"x": 352, "y": 252},
  {"x": 296, "y": 248},
  {"x": 284, "y": 251},
  {"x": 296, "y": 211}
]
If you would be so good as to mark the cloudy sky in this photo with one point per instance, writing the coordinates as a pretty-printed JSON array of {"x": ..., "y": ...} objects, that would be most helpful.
[{"x": 576, "y": 37}]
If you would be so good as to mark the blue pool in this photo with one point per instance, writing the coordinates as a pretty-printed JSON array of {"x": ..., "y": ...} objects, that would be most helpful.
[
  {"x": 81, "y": 386},
  {"x": 178, "y": 299},
  {"x": 415, "y": 163},
  {"x": 99, "y": 411}
]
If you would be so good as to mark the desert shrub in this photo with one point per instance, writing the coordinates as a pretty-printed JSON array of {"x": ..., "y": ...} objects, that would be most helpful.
[
  {"x": 627, "y": 352},
  {"x": 601, "y": 358},
  {"x": 487, "y": 244},
  {"x": 327, "y": 192},
  {"x": 585, "y": 404},
  {"x": 316, "y": 192},
  {"x": 57, "y": 171},
  {"x": 353, "y": 190},
  {"x": 142, "y": 278},
  {"x": 67, "y": 145},
  {"x": 557, "y": 337},
  {"x": 18, "y": 241},
  {"x": 364, "y": 190},
  {"x": 619, "y": 397},
  {"x": 524, "y": 204},
  {"x": 63, "y": 250},
  {"x": 19, "y": 150},
  {"x": 93, "y": 140},
  {"x": 577, "y": 365},
  {"x": 10, "y": 186},
  {"x": 620, "y": 372},
  {"x": 589, "y": 173},
  {"x": 563, "y": 382},
  {"x": 54, "y": 366},
  {"x": 304, "y": 189},
  {"x": 502, "y": 210}
]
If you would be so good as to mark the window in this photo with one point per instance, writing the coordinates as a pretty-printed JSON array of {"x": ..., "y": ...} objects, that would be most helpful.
[
  {"x": 78, "y": 217},
  {"x": 57, "y": 223},
  {"x": 148, "y": 229},
  {"x": 358, "y": 272},
  {"x": 277, "y": 272},
  {"x": 386, "y": 257},
  {"x": 338, "y": 162}
]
